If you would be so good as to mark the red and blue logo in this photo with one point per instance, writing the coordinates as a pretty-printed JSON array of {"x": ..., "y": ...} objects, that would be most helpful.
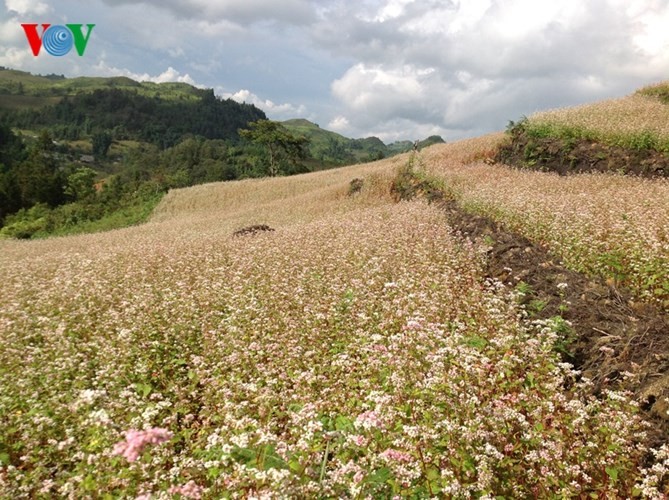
[{"x": 58, "y": 39}]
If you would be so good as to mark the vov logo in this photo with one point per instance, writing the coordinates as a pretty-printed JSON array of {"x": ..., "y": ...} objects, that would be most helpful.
[{"x": 58, "y": 40}]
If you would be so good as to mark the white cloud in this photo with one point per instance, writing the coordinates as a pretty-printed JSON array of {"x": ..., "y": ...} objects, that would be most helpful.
[
  {"x": 169, "y": 75},
  {"x": 469, "y": 66},
  {"x": 12, "y": 57},
  {"x": 237, "y": 11},
  {"x": 394, "y": 68},
  {"x": 339, "y": 124},
  {"x": 23, "y": 7},
  {"x": 385, "y": 91},
  {"x": 275, "y": 111}
]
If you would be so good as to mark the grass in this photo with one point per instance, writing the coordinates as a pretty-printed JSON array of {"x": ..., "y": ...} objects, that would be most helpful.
[{"x": 131, "y": 215}]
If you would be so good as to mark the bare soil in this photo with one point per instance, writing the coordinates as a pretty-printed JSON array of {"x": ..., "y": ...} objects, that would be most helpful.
[
  {"x": 572, "y": 156},
  {"x": 613, "y": 334},
  {"x": 251, "y": 230}
]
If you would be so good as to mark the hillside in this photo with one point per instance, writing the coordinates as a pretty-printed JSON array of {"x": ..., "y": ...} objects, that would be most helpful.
[
  {"x": 20, "y": 89},
  {"x": 629, "y": 134},
  {"x": 328, "y": 146},
  {"x": 163, "y": 114},
  {"x": 435, "y": 324}
]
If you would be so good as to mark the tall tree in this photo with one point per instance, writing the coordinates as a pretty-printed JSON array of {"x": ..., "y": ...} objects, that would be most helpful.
[
  {"x": 39, "y": 177},
  {"x": 101, "y": 142},
  {"x": 278, "y": 141}
]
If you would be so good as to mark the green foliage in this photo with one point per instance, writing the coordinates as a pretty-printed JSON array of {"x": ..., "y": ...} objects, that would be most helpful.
[
  {"x": 131, "y": 115},
  {"x": 639, "y": 140},
  {"x": 332, "y": 148},
  {"x": 412, "y": 181},
  {"x": 74, "y": 218},
  {"x": 81, "y": 184},
  {"x": 101, "y": 142},
  {"x": 38, "y": 178},
  {"x": 659, "y": 91},
  {"x": 282, "y": 147},
  {"x": 26, "y": 222}
]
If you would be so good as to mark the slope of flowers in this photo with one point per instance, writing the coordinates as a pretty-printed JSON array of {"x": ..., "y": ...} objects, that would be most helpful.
[
  {"x": 353, "y": 352},
  {"x": 609, "y": 225},
  {"x": 636, "y": 121}
]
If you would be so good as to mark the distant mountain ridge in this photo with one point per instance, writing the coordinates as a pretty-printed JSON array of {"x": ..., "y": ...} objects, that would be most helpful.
[{"x": 328, "y": 146}]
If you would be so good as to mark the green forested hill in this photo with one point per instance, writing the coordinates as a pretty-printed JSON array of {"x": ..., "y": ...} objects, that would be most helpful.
[
  {"x": 328, "y": 146},
  {"x": 161, "y": 114}
]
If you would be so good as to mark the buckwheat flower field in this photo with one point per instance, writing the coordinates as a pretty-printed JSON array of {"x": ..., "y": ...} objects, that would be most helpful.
[
  {"x": 639, "y": 120},
  {"x": 354, "y": 352},
  {"x": 611, "y": 225}
]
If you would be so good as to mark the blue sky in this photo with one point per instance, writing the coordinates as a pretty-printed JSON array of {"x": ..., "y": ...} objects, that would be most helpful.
[{"x": 397, "y": 69}]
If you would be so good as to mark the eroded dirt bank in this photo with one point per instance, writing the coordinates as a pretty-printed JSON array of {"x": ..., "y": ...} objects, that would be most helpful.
[
  {"x": 572, "y": 156},
  {"x": 615, "y": 340}
]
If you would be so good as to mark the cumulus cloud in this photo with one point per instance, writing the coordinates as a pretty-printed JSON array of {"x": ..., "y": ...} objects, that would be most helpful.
[
  {"x": 391, "y": 68},
  {"x": 23, "y": 7},
  {"x": 468, "y": 66},
  {"x": 169, "y": 75},
  {"x": 339, "y": 124},
  {"x": 273, "y": 110}
]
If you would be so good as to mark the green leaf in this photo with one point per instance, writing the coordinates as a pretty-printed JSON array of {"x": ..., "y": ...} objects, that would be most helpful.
[
  {"x": 4, "y": 458},
  {"x": 433, "y": 474},
  {"x": 380, "y": 476},
  {"x": 343, "y": 423},
  {"x": 143, "y": 389},
  {"x": 89, "y": 483},
  {"x": 612, "y": 473}
]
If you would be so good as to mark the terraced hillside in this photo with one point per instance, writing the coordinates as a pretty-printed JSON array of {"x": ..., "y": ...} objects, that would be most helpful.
[{"x": 367, "y": 346}]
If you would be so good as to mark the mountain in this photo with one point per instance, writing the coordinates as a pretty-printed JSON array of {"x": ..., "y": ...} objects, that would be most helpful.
[
  {"x": 331, "y": 147},
  {"x": 162, "y": 114}
]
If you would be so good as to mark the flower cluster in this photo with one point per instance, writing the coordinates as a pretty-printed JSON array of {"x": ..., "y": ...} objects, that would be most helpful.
[
  {"x": 600, "y": 224},
  {"x": 136, "y": 441}
]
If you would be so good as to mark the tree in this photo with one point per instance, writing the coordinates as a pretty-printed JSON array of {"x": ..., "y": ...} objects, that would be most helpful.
[
  {"x": 81, "y": 184},
  {"x": 101, "y": 143},
  {"x": 38, "y": 178},
  {"x": 279, "y": 143}
]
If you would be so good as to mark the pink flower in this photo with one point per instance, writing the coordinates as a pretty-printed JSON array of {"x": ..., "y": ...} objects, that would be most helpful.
[
  {"x": 413, "y": 325},
  {"x": 369, "y": 419},
  {"x": 395, "y": 455},
  {"x": 189, "y": 490},
  {"x": 359, "y": 440},
  {"x": 135, "y": 441}
]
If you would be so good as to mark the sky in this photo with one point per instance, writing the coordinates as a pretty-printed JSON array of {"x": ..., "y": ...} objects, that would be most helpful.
[{"x": 395, "y": 69}]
